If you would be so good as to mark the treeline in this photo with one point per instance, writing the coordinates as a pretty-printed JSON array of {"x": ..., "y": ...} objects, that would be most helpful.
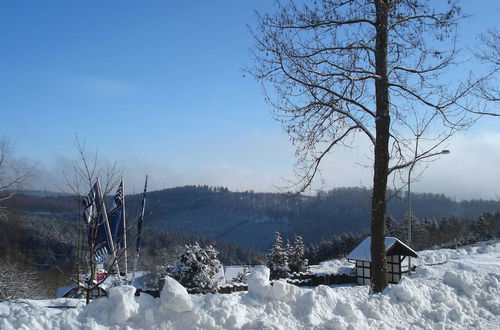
[
  {"x": 449, "y": 232},
  {"x": 250, "y": 218}
]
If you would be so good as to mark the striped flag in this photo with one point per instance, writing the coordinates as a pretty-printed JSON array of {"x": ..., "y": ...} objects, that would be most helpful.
[
  {"x": 116, "y": 218},
  {"x": 89, "y": 205},
  {"x": 94, "y": 213}
]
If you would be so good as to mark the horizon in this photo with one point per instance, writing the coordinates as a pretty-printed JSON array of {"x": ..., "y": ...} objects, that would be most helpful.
[
  {"x": 160, "y": 89},
  {"x": 404, "y": 193}
]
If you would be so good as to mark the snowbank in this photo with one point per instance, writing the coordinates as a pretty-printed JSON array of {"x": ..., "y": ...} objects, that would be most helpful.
[{"x": 461, "y": 292}]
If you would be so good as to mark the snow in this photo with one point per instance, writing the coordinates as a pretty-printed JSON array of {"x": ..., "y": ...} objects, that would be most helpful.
[
  {"x": 336, "y": 266},
  {"x": 451, "y": 289},
  {"x": 362, "y": 251},
  {"x": 175, "y": 297},
  {"x": 258, "y": 282}
]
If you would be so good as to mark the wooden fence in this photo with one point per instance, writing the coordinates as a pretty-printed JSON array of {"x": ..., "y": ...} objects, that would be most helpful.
[{"x": 299, "y": 279}]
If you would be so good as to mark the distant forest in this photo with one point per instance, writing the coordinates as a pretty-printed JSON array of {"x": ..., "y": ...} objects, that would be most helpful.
[{"x": 246, "y": 218}]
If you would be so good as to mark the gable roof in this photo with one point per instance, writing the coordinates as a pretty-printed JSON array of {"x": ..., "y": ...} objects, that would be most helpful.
[{"x": 392, "y": 246}]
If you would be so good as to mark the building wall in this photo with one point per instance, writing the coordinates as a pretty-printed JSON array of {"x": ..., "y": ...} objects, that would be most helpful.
[{"x": 396, "y": 266}]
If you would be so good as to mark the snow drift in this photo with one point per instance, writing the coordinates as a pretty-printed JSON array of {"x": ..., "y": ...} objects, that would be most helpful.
[{"x": 452, "y": 289}]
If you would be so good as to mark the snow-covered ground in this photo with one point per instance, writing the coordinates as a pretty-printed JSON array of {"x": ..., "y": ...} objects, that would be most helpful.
[{"x": 452, "y": 289}]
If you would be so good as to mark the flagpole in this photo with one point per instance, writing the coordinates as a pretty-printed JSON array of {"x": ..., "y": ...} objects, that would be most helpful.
[
  {"x": 108, "y": 230},
  {"x": 139, "y": 228},
  {"x": 125, "y": 254}
]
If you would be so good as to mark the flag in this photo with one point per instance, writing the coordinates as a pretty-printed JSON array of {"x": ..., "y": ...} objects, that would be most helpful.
[
  {"x": 94, "y": 213},
  {"x": 141, "y": 217},
  {"x": 116, "y": 218},
  {"x": 89, "y": 205}
]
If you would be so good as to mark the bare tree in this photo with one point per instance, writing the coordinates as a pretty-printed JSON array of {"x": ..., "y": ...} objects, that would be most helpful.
[
  {"x": 489, "y": 53},
  {"x": 335, "y": 68},
  {"x": 14, "y": 172},
  {"x": 86, "y": 169}
]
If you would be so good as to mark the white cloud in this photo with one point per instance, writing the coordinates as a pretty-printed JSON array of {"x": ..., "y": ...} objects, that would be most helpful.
[{"x": 471, "y": 170}]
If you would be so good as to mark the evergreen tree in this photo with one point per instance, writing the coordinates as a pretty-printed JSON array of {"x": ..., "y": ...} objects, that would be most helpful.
[
  {"x": 196, "y": 269},
  {"x": 277, "y": 260},
  {"x": 297, "y": 262}
]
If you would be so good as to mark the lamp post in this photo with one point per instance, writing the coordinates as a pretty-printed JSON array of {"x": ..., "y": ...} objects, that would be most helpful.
[{"x": 410, "y": 216}]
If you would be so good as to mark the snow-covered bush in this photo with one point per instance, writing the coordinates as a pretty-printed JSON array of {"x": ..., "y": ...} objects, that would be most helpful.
[
  {"x": 18, "y": 280},
  {"x": 297, "y": 262},
  {"x": 196, "y": 269},
  {"x": 242, "y": 277},
  {"x": 277, "y": 260}
]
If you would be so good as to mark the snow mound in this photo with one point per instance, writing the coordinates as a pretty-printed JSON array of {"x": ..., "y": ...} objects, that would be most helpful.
[
  {"x": 258, "y": 281},
  {"x": 463, "y": 282},
  {"x": 175, "y": 297},
  {"x": 284, "y": 291},
  {"x": 260, "y": 287},
  {"x": 118, "y": 309}
]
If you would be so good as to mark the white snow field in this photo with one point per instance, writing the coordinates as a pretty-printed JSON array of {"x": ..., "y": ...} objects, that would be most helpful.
[{"x": 452, "y": 289}]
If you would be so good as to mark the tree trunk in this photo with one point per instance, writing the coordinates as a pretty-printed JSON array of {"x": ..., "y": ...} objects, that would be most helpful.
[{"x": 382, "y": 125}]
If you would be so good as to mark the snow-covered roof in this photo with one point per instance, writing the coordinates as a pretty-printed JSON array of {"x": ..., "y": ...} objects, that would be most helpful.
[{"x": 363, "y": 252}]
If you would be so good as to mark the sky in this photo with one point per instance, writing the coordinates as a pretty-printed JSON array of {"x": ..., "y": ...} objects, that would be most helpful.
[{"x": 160, "y": 88}]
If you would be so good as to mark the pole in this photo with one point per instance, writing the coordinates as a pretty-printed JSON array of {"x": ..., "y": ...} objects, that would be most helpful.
[
  {"x": 139, "y": 227},
  {"x": 125, "y": 254},
  {"x": 108, "y": 230},
  {"x": 409, "y": 215}
]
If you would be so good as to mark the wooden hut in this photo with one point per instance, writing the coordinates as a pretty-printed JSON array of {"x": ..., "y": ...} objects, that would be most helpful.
[{"x": 397, "y": 254}]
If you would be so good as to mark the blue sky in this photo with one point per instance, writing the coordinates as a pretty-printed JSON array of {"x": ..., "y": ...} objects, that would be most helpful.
[{"x": 158, "y": 86}]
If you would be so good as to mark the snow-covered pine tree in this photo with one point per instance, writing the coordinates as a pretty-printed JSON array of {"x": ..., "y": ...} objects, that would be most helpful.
[
  {"x": 277, "y": 260},
  {"x": 196, "y": 269},
  {"x": 297, "y": 262}
]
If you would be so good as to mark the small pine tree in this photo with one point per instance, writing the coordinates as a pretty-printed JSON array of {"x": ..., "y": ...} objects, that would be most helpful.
[
  {"x": 297, "y": 262},
  {"x": 277, "y": 260},
  {"x": 196, "y": 269}
]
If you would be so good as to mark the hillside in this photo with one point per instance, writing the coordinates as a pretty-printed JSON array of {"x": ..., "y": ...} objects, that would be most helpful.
[{"x": 250, "y": 219}]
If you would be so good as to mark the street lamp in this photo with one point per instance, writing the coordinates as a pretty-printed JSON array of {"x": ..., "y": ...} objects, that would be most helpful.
[{"x": 443, "y": 152}]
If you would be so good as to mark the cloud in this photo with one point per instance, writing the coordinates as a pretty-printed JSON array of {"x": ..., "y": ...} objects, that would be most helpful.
[{"x": 469, "y": 171}]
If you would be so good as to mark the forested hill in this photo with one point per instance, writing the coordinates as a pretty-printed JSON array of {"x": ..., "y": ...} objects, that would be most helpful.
[{"x": 250, "y": 219}]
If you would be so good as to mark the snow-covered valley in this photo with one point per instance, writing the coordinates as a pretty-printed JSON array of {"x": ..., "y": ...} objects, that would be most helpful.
[{"x": 451, "y": 289}]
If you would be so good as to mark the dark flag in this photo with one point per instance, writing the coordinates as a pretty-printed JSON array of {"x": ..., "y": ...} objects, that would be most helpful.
[
  {"x": 116, "y": 218},
  {"x": 93, "y": 213},
  {"x": 141, "y": 217}
]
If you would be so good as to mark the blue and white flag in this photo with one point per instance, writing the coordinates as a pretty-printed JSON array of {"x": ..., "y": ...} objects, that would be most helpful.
[
  {"x": 116, "y": 218},
  {"x": 94, "y": 213},
  {"x": 89, "y": 205}
]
